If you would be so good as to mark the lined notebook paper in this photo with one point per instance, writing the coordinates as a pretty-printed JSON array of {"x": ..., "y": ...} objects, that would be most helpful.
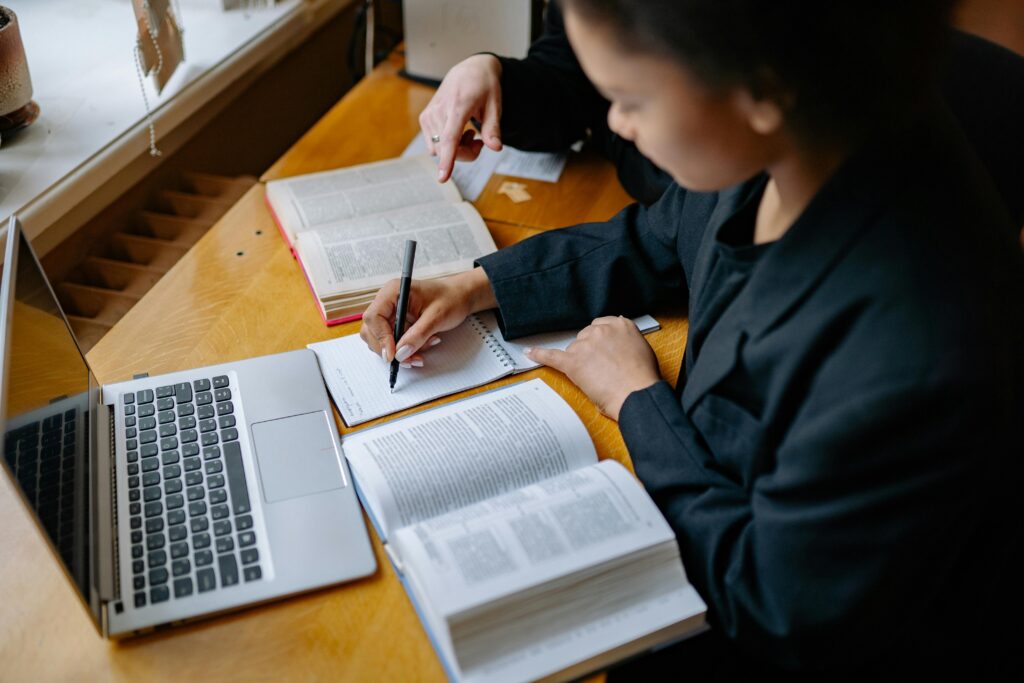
[{"x": 470, "y": 355}]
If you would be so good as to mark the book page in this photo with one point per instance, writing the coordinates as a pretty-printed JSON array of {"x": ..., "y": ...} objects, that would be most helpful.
[
  {"x": 503, "y": 545},
  {"x": 316, "y": 199},
  {"x": 363, "y": 253},
  {"x": 444, "y": 459},
  {"x": 357, "y": 378},
  {"x": 469, "y": 176}
]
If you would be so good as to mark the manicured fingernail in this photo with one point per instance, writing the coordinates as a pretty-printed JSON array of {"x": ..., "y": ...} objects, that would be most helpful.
[
  {"x": 403, "y": 353},
  {"x": 384, "y": 355},
  {"x": 528, "y": 350},
  {"x": 435, "y": 341},
  {"x": 417, "y": 364},
  {"x": 406, "y": 365},
  {"x": 440, "y": 175}
]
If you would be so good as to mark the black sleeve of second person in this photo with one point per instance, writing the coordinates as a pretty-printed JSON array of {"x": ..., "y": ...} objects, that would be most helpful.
[{"x": 547, "y": 101}]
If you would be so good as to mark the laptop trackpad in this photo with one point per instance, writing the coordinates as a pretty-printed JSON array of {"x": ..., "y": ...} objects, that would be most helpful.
[{"x": 297, "y": 456}]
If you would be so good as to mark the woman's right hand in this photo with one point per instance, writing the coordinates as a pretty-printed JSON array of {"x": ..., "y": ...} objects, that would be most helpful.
[
  {"x": 470, "y": 89},
  {"x": 434, "y": 306}
]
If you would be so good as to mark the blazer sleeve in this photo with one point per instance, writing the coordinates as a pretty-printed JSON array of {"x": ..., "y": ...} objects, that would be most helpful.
[
  {"x": 547, "y": 101},
  {"x": 828, "y": 556},
  {"x": 630, "y": 265}
]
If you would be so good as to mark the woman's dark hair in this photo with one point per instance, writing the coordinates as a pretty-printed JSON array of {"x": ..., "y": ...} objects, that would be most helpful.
[{"x": 842, "y": 68}]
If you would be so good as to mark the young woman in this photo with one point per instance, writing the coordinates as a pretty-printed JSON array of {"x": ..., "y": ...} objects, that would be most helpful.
[{"x": 839, "y": 458}]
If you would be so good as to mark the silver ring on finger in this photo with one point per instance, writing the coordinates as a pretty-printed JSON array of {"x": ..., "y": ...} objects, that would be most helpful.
[{"x": 435, "y": 138}]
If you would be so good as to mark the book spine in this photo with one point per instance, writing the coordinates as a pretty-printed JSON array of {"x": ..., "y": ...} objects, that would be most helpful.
[{"x": 491, "y": 342}]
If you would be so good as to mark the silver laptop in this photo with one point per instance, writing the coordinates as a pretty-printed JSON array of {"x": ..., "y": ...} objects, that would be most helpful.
[{"x": 172, "y": 497}]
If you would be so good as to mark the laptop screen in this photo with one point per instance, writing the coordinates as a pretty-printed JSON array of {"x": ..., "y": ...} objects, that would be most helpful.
[{"x": 46, "y": 391}]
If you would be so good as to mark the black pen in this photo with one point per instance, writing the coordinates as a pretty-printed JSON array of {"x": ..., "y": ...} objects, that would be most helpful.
[{"x": 403, "y": 303}]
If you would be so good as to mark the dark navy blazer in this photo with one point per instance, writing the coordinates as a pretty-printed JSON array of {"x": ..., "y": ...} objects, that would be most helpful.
[{"x": 841, "y": 458}]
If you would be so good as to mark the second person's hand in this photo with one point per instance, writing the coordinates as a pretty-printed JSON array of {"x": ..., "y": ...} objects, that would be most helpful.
[
  {"x": 434, "y": 306},
  {"x": 470, "y": 89}
]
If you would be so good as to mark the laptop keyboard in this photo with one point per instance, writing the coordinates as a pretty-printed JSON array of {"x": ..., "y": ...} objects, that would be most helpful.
[
  {"x": 189, "y": 513},
  {"x": 42, "y": 456}
]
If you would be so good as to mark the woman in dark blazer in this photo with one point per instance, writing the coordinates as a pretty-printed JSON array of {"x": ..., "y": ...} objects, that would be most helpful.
[{"x": 840, "y": 456}]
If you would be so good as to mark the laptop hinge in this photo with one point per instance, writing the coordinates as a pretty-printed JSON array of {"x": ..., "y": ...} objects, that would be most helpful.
[{"x": 106, "y": 503}]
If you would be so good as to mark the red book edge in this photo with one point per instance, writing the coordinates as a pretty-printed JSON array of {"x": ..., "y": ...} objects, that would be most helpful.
[{"x": 295, "y": 255}]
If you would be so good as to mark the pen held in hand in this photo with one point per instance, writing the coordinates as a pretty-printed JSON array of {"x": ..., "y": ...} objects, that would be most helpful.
[{"x": 402, "y": 307}]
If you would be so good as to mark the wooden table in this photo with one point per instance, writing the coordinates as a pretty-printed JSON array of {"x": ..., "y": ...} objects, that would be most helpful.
[{"x": 237, "y": 294}]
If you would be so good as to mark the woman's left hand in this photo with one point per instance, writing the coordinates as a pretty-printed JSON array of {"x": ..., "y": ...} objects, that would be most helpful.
[{"x": 609, "y": 360}]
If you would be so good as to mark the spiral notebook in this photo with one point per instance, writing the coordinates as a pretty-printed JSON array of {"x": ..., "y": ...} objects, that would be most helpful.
[{"x": 468, "y": 356}]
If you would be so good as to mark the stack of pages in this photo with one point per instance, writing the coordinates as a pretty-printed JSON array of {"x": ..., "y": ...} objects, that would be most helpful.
[
  {"x": 524, "y": 557},
  {"x": 347, "y": 229}
]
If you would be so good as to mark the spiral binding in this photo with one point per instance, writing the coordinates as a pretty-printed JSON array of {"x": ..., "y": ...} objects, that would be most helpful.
[{"x": 491, "y": 343}]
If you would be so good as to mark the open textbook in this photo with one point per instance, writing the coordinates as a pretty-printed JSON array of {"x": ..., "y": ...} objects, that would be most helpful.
[
  {"x": 470, "y": 355},
  {"x": 524, "y": 557},
  {"x": 346, "y": 228}
]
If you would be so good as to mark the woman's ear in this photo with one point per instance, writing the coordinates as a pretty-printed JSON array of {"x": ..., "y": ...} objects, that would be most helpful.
[{"x": 764, "y": 115}]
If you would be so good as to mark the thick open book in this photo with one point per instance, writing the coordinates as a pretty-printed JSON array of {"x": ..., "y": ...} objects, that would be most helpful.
[
  {"x": 471, "y": 355},
  {"x": 524, "y": 557},
  {"x": 346, "y": 228}
]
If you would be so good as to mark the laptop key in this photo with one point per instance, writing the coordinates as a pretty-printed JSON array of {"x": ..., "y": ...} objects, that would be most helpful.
[
  {"x": 190, "y": 449},
  {"x": 214, "y": 466},
  {"x": 211, "y": 452},
  {"x": 206, "y": 579},
  {"x": 173, "y": 486},
  {"x": 170, "y": 457},
  {"x": 130, "y": 433},
  {"x": 150, "y": 478},
  {"x": 159, "y": 594},
  {"x": 176, "y": 501},
  {"x": 253, "y": 573},
  {"x": 140, "y": 599},
  {"x": 246, "y": 539},
  {"x": 193, "y": 478},
  {"x": 151, "y": 493},
  {"x": 207, "y": 425},
  {"x": 222, "y": 527},
  {"x": 129, "y": 397},
  {"x": 182, "y": 587},
  {"x": 138, "y": 566},
  {"x": 215, "y": 481},
  {"x": 225, "y": 545},
  {"x": 197, "y": 507},
  {"x": 244, "y": 522},
  {"x": 145, "y": 396},
  {"x": 168, "y": 444},
  {"x": 137, "y": 553},
  {"x": 201, "y": 385},
  {"x": 219, "y": 511},
  {"x": 154, "y": 525},
  {"x": 220, "y": 381},
  {"x": 189, "y": 436},
  {"x": 136, "y": 536},
  {"x": 133, "y": 468},
  {"x": 136, "y": 522},
  {"x": 139, "y": 582},
  {"x": 133, "y": 456},
  {"x": 147, "y": 410},
  {"x": 206, "y": 412},
  {"x": 148, "y": 436},
  {"x": 222, "y": 395},
  {"x": 165, "y": 417},
  {"x": 135, "y": 509},
  {"x": 177, "y": 532},
  {"x": 150, "y": 465},
  {"x": 155, "y": 508},
  {"x": 131, "y": 444},
  {"x": 236, "y": 477},
  {"x": 155, "y": 541},
  {"x": 204, "y": 398},
  {"x": 169, "y": 429},
  {"x": 228, "y": 570},
  {"x": 147, "y": 423},
  {"x": 204, "y": 558},
  {"x": 192, "y": 464},
  {"x": 179, "y": 550},
  {"x": 129, "y": 410},
  {"x": 180, "y": 567},
  {"x": 165, "y": 404},
  {"x": 226, "y": 421},
  {"x": 225, "y": 408},
  {"x": 149, "y": 450},
  {"x": 176, "y": 517},
  {"x": 186, "y": 409},
  {"x": 199, "y": 524},
  {"x": 157, "y": 576},
  {"x": 200, "y": 541},
  {"x": 250, "y": 555},
  {"x": 196, "y": 492},
  {"x": 164, "y": 392},
  {"x": 210, "y": 438},
  {"x": 186, "y": 423},
  {"x": 172, "y": 472},
  {"x": 157, "y": 558},
  {"x": 229, "y": 435},
  {"x": 133, "y": 482},
  {"x": 183, "y": 392}
]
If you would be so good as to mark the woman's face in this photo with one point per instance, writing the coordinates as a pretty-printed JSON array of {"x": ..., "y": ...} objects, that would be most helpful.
[{"x": 706, "y": 139}]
